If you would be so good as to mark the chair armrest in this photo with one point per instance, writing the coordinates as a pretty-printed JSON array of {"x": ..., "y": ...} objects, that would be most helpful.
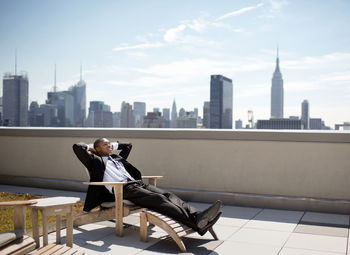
[
  {"x": 152, "y": 179},
  {"x": 18, "y": 203}
]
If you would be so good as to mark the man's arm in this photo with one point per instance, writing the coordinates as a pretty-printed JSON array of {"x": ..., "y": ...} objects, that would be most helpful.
[
  {"x": 125, "y": 149},
  {"x": 81, "y": 150}
]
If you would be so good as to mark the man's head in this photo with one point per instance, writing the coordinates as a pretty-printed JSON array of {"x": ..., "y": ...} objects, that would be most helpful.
[{"x": 103, "y": 147}]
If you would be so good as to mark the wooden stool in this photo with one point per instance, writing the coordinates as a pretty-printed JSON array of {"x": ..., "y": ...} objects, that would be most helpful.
[
  {"x": 175, "y": 229},
  {"x": 53, "y": 206}
]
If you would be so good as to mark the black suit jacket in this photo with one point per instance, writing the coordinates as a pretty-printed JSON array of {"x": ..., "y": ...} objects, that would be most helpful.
[{"x": 96, "y": 166}]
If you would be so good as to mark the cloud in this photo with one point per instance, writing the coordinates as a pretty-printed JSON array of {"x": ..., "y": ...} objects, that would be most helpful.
[
  {"x": 138, "y": 46},
  {"x": 239, "y": 12},
  {"x": 178, "y": 33},
  {"x": 238, "y": 30},
  {"x": 277, "y": 5},
  {"x": 317, "y": 62},
  {"x": 174, "y": 34}
]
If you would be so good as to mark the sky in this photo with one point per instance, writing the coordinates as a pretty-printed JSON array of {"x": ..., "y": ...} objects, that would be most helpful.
[{"x": 157, "y": 51}]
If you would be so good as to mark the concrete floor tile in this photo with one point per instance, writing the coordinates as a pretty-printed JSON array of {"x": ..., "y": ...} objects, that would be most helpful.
[
  {"x": 279, "y": 220},
  {"x": 156, "y": 232},
  {"x": 237, "y": 216},
  {"x": 239, "y": 212},
  {"x": 326, "y": 218},
  {"x": 279, "y": 215},
  {"x": 228, "y": 221},
  {"x": 240, "y": 248},
  {"x": 93, "y": 232},
  {"x": 271, "y": 225},
  {"x": 259, "y": 236},
  {"x": 322, "y": 230},
  {"x": 128, "y": 244},
  {"x": 293, "y": 251},
  {"x": 132, "y": 219},
  {"x": 223, "y": 232},
  {"x": 317, "y": 242}
]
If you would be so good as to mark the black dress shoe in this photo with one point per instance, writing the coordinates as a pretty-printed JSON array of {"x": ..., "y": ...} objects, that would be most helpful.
[
  {"x": 208, "y": 215},
  {"x": 204, "y": 230}
]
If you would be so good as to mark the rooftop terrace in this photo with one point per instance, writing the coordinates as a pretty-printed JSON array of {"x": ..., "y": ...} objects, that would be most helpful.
[
  {"x": 284, "y": 192},
  {"x": 241, "y": 230}
]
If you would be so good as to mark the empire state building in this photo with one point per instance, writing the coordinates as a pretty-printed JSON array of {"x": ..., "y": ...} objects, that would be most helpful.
[{"x": 277, "y": 93}]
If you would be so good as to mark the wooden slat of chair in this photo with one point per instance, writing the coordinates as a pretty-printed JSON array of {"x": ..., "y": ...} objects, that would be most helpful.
[
  {"x": 44, "y": 249},
  {"x": 20, "y": 246},
  {"x": 53, "y": 249},
  {"x": 62, "y": 250},
  {"x": 57, "y": 249}
]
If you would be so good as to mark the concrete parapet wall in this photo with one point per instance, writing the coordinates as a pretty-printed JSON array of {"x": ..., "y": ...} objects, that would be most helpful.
[{"x": 279, "y": 163}]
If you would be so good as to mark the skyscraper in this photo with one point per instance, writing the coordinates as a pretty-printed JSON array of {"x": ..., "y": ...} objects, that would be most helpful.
[
  {"x": 153, "y": 120},
  {"x": 182, "y": 112},
  {"x": 166, "y": 116},
  {"x": 0, "y": 111},
  {"x": 139, "y": 112},
  {"x": 174, "y": 115},
  {"x": 64, "y": 101},
  {"x": 277, "y": 92},
  {"x": 206, "y": 114},
  {"x": 305, "y": 114},
  {"x": 71, "y": 104},
  {"x": 100, "y": 115},
  {"x": 238, "y": 124},
  {"x": 127, "y": 119},
  {"x": 43, "y": 116},
  {"x": 221, "y": 93},
  {"x": 79, "y": 95},
  {"x": 15, "y": 100}
]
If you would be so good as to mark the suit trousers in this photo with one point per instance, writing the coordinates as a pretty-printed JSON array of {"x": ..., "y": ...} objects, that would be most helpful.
[{"x": 161, "y": 201}]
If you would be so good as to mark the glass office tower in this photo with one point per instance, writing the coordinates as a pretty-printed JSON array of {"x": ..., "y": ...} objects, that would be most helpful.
[{"x": 221, "y": 101}]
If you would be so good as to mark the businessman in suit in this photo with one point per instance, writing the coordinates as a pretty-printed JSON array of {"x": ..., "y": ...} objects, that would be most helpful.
[{"x": 104, "y": 165}]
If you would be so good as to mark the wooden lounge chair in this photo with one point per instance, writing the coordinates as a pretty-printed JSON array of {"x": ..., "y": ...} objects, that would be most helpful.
[
  {"x": 123, "y": 208},
  {"x": 16, "y": 242}
]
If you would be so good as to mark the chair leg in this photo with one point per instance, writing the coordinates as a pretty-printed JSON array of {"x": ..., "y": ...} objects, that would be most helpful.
[
  {"x": 179, "y": 242},
  {"x": 143, "y": 227},
  {"x": 118, "y": 194},
  {"x": 211, "y": 230}
]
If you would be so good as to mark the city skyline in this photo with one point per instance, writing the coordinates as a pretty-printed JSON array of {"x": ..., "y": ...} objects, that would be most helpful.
[{"x": 155, "y": 52}]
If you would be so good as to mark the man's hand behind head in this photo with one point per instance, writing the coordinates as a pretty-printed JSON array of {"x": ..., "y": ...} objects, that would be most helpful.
[{"x": 92, "y": 149}]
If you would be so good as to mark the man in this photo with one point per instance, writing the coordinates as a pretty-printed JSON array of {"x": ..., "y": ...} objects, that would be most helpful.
[{"x": 104, "y": 165}]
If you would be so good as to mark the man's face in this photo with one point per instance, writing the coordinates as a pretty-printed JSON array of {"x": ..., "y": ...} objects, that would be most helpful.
[{"x": 104, "y": 148}]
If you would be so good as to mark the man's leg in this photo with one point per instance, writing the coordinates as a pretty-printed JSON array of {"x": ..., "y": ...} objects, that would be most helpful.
[{"x": 161, "y": 201}]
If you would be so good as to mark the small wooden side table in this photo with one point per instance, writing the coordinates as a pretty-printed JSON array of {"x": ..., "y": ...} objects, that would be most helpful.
[{"x": 53, "y": 206}]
